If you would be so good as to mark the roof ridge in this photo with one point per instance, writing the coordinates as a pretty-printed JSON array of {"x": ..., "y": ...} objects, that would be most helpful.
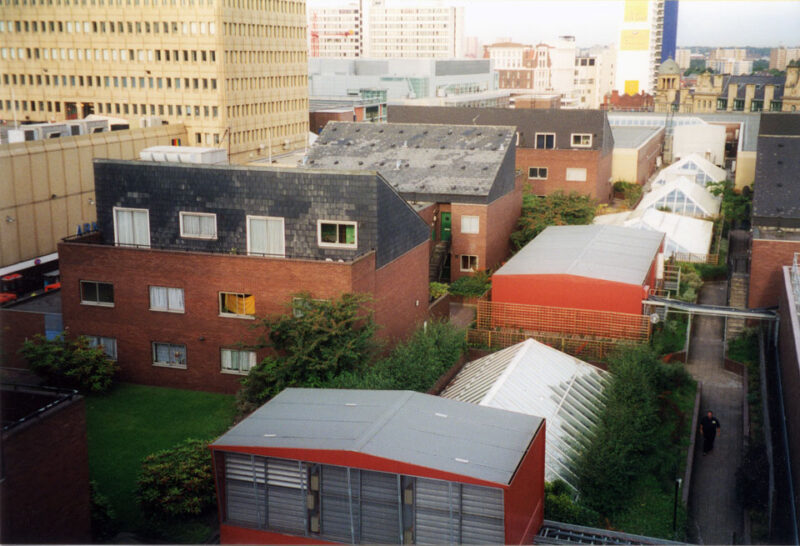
[
  {"x": 503, "y": 377},
  {"x": 381, "y": 421}
]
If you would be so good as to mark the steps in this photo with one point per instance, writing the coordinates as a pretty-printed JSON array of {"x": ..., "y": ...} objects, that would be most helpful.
[
  {"x": 737, "y": 297},
  {"x": 438, "y": 259}
]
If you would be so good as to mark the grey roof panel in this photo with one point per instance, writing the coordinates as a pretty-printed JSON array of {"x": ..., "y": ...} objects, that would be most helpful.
[
  {"x": 776, "y": 191},
  {"x": 611, "y": 253},
  {"x": 409, "y": 427},
  {"x": 633, "y": 136}
]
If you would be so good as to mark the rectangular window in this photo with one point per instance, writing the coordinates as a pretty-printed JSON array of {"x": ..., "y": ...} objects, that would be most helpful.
[
  {"x": 469, "y": 263},
  {"x": 163, "y": 298},
  {"x": 169, "y": 355},
  {"x": 265, "y": 236},
  {"x": 470, "y": 224},
  {"x": 337, "y": 234},
  {"x": 232, "y": 304},
  {"x": 198, "y": 225},
  {"x": 581, "y": 140},
  {"x": 545, "y": 141},
  {"x": 537, "y": 173},
  {"x": 109, "y": 345},
  {"x": 235, "y": 361},
  {"x": 97, "y": 293},
  {"x": 576, "y": 174},
  {"x": 131, "y": 227}
]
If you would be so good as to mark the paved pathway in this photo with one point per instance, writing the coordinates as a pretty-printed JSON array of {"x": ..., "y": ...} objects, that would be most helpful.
[
  {"x": 462, "y": 315},
  {"x": 715, "y": 514}
]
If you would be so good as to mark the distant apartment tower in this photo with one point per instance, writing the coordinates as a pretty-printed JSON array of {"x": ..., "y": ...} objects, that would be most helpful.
[
  {"x": 594, "y": 76},
  {"x": 684, "y": 58},
  {"x": 732, "y": 66},
  {"x": 779, "y": 57},
  {"x": 234, "y": 73},
  {"x": 647, "y": 38},
  {"x": 335, "y": 31},
  {"x": 724, "y": 53}
]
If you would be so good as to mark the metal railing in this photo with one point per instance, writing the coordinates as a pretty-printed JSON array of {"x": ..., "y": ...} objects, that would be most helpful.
[{"x": 795, "y": 277}]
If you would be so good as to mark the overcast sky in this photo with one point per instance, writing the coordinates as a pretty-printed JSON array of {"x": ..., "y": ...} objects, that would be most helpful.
[{"x": 758, "y": 23}]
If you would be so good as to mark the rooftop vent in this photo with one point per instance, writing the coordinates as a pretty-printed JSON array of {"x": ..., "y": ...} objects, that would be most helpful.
[
  {"x": 460, "y": 460},
  {"x": 334, "y": 129},
  {"x": 380, "y": 130},
  {"x": 401, "y": 131},
  {"x": 336, "y": 162},
  {"x": 463, "y": 167},
  {"x": 437, "y": 414},
  {"x": 449, "y": 131},
  {"x": 360, "y": 162},
  {"x": 358, "y": 129}
]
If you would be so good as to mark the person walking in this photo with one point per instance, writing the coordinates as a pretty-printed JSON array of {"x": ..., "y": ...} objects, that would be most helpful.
[{"x": 709, "y": 428}]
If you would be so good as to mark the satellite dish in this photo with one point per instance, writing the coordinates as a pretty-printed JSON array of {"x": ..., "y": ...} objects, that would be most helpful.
[{"x": 654, "y": 318}]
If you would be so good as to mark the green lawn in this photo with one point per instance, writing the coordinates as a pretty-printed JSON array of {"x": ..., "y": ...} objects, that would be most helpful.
[{"x": 132, "y": 421}]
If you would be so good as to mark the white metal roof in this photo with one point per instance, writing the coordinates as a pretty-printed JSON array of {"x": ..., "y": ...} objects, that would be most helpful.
[
  {"x": 535, "y": 379},
  {"x": 413, "y": 428},
  {"x": 610, "y": 253},
  {"x": 701, "y": 197},
  {"x": 682, "y": 233},
  {"x": 682, "y": 166}
]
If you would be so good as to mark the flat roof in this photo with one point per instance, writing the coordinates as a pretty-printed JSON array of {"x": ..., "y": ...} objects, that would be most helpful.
[
  {"x": 44, "y": 303},
  {"x": 404, "y": 426},
  {"x": 610, "y": 253},
  {"x": 633, "y": 136}
]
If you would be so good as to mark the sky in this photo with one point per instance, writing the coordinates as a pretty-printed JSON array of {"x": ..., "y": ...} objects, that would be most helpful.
[{"x": 758, "y": 23}]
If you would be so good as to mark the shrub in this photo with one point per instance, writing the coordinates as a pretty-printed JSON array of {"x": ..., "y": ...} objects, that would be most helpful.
[
  {"x": 471, "y": 287},
  {"x": 670, "y": 336},
  {"x": 177, "y": 482},
  {"x": 104, "y": 522},
  {"x": 560, "y": 506},
  {"x": 631, "y": 192},
  {"x": 556, "y": 209},
  {"x": 438, "y": 289},
  {"x": 70, "y": 363},
  {"x": 752, "y": 478}
]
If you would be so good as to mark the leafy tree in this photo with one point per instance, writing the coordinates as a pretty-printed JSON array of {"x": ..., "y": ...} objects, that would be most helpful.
[
  {"x": 556, "y": 209},
  {"x": 177, "y": 482},
  {"x": 315, "y": 342},
  {"x": 70, "y": 362},
  {"x": 631, "y": 192},
  {"x": 559, "y": 505},
  {"x": 760, "y": 65},
  {"x": 735, "y": 206}
]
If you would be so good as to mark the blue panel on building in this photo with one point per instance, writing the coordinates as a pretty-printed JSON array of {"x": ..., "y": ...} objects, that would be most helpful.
[{"x": 670, "y": 32}]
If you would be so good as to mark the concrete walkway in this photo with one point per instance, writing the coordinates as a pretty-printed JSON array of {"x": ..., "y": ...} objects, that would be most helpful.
[{"x": 715, "y": 514}]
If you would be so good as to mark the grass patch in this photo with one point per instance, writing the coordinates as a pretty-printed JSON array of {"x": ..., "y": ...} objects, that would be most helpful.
[{"x": 132, "y": 421}]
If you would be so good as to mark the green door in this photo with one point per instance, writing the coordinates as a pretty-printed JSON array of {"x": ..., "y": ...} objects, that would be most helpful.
[{"x": 444, "y": 231}]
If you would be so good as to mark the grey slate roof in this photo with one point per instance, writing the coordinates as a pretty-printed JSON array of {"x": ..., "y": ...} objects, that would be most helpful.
[
  {"x": 633, "y": 136},
  {"x": 527, "y": 121},
  {"x": 423, "y": 162},
  {"x": 610, "y": 253},
  {"x": 760, "y": 81},
  {"x": 409, "y": 427},
  {"x": 776, "y": 189}
]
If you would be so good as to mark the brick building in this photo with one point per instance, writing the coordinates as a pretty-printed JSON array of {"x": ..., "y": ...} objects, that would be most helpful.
[
  {"x": 44, "y": 478},
  {"x": 22, "y": 320},
  {"x": 460, "y": 179},
  {"x": 189, "y": 255},
  {"x": 566, "y": 150},
  {"x": 776, "y": 206}
]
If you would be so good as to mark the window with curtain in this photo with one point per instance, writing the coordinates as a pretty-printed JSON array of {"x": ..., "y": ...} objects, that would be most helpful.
[
  {"x": 470, "y": 224},
  {"x": 235, "y": 361},
  {"x": 265, "y": 236},
  {"x": 575, "y": 174},
  {"x": 169, "y": 355},
  {"x": 163, "y": 298},
  {"x": 236, "y": 304},
  {"x": 131, "y": 227},
  {"x": 198, "y": 225},
  {"x": 109, "y": 345}
]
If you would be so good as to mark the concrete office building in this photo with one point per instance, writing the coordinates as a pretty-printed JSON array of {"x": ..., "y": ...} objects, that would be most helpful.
[{"x": 233, "y": 73}]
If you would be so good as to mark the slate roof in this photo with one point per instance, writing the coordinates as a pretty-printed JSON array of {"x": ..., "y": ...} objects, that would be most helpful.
[
  {"x": 760, "y": 81},
  {"x": 420, "y": 429},
  {"x": 610, "y": 253},
  {"x": 776, "y": 189},
  {"x": 527, "y": 121},
  {"x": 423, "y": 162}
]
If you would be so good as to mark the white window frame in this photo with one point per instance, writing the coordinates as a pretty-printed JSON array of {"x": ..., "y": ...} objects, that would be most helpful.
[
  {"x": 536, "y": 141},
  {"x": 97, "y": 303},
  {"x": 176, "y": 365},
  {"x": 116, "y": 230},
  {"x": 283, "y": 231},
  {"x": 336, "y": 245},
  {"x": 546, "y": 173},
  {"x": 581, "y": 137},
  {"x": 95, "y": 341},
  {"x": 470, "y": 219},
  {"x": 167, "y": 309},
  {"x": 461, "y": 263},
  {"x": 182, "y": 214},
  {"x": 233, "y": 315},
  {"x": 572, "y": 172},
  {"x": 252, "y": 358}
]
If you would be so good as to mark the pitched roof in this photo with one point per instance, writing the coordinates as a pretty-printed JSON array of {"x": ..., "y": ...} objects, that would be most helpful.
[
  {"x": 535, "y": 379},
  {"x": 634, "y": 136},
  {"x": 691, "y": 235},
  {"x": 447, "y": 435},
  {"x": 683, "y": 166},
  {"x": 422, "y": 161},
  {"x": 701, "y": 197},
  {"x": 610, "y": 253}
]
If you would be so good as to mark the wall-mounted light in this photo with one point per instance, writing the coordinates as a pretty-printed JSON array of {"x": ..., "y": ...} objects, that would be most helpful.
[
  {"x": 10, "y": 220},
  {"x": 91, "y": 201}
]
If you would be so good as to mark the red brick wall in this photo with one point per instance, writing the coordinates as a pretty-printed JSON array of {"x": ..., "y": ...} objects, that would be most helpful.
[
  {"x": 468, "y": 243},
  {"x": 318, "y": 120},
  {"x": 45, "y": 494},
  {"x": 598, "y": 171},
  {"x": 15, "y": 328},
  {"x": 646, "y": 161},
  {"x": 766, "y": 260},
  {"x": 203, "y": 276},
  {"x": 503, "y": 215}
]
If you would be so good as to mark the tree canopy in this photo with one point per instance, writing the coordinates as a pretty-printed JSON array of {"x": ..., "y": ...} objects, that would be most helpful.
[{"x": 556, "y": 209}]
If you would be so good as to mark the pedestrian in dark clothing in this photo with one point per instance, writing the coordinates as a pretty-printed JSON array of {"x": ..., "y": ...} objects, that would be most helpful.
[{"x": 709, "y": 427}]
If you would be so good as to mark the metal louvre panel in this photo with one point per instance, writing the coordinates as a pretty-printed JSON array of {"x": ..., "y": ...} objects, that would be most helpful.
[
  {"x": 434, "y": 501},
  {"x": 244, "y": 467},
  {"x": 380, "y": 508},
  {"x": 286, "y": 510},
  {"x": 245, "y": 503},
  {"x": 286, "y": 473},
  {"x": 336, "y": 503},
  {"x": 482, "y": 515}
]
